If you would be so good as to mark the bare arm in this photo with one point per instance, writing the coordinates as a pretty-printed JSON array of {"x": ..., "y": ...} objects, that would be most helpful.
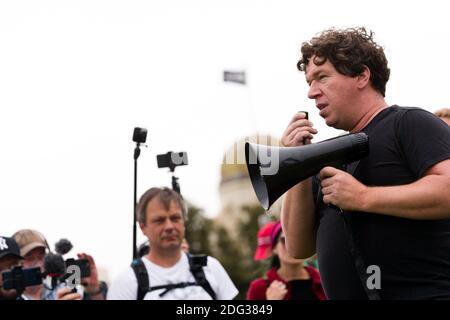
[
  {"x": 297, "y": 214},
  {"x": 298, "y": 221},
  {"x": 425, "y": 199}
]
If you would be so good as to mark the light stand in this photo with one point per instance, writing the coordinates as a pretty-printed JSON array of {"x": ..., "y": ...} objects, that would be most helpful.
[
  {"x": 172, "y": 160},
  {"x": 175, "y": 184},
  {"x": 139, "y": 136}
]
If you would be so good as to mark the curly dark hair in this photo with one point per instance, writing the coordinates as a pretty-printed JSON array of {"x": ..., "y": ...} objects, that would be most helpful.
[{"x": 349, "y": 51}]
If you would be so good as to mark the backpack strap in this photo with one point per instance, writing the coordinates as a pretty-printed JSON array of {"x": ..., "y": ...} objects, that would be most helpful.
[
  {"x": 196, "y": 264},
  {"x": 354, "y": 250},
  {"x": 169, "y": 287},
  {"x": 142, "y": 278}
]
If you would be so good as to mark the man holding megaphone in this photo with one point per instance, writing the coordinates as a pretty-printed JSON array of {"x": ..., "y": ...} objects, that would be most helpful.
[{"x": 381, "y": 228}]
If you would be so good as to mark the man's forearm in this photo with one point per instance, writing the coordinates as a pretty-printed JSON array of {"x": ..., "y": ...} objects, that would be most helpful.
[
  {"x": 298, "y": 220},
  {"x": 425, "y": 199}
]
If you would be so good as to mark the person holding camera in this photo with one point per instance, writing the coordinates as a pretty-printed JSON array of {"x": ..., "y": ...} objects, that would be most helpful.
[
  {"x": 167, "y": 272},
  {"x": 9, "y": 258},
  {"x": 380, "y": 227},
  {"x": 34, "y": 247}
]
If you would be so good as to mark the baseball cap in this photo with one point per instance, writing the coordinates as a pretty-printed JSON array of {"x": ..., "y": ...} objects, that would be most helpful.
[
  {"x": 29, "y": 239},
  {"x": 9, "y": 247},
  {"x": 276, "y": 231},
  {"x": 264, "y": 248}
]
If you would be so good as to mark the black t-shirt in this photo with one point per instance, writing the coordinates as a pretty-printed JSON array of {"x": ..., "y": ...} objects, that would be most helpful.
[{"x": 413, "y": 255}]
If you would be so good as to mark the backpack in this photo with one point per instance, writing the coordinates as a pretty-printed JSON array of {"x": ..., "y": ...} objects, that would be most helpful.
[{"x": 196, "y": 264}]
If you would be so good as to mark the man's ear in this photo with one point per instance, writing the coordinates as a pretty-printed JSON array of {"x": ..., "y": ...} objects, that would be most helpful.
[
  {"x": 364, "y": 78},
  {"x": 141, "y": 225}
]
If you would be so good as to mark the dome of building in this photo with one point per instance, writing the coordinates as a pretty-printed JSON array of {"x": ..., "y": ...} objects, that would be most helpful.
[
  {"x": 233, "y": 164},
  {"x": 235, "y": 187}
]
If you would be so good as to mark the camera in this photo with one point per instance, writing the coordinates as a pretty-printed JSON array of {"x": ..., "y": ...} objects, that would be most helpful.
[
  {"x": 172, "y": 159},
  {"x": 82, "y": 264},
  {"x": 139, "y": 135},
  {"x": 19, "y": 278},
  {"x": 62, "y": 247}
]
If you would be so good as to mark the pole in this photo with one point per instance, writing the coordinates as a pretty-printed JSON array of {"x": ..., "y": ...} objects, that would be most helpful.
[{"x": 137, "y": 152}]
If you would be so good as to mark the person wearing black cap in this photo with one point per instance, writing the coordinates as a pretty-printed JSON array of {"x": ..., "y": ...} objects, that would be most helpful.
[{"x": 9, "y": 258}]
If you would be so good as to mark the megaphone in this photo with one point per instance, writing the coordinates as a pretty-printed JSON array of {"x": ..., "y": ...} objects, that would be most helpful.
[{"x": 274, "y": 170}]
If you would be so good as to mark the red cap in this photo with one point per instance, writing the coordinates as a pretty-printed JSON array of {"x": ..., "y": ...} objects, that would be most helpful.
[
  {"x": 276, "y": 231},
  {"x": 264, "y": 248}
]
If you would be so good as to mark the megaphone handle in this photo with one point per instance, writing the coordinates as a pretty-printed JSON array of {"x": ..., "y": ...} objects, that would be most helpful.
[{"x": 306, "y": 113}]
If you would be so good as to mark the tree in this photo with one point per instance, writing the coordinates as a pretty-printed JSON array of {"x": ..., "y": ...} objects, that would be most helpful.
[
  {"x": 234, "y": 253},
  {"x": 198, "y": 230}
]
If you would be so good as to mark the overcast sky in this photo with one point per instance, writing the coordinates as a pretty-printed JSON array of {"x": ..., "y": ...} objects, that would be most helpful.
[{"x": 77, "y": 76}]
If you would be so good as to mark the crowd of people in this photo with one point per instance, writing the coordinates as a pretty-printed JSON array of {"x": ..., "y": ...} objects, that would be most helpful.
[
  {"x": 390, "y": 210},
  {"x": 28, "y": 249},
  {"x": 165, "y": 268}
]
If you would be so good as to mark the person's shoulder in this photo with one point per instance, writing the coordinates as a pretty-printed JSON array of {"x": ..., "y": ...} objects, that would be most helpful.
[
  {"x": 257, "y": 289},
  {"x": 412, "y": 118},
  {"x": 211, "y": 259},
  {"x": 398, "y": 108},
  {"x": 220, "y": 279},
  {"x": 405, "y": 110},
  {"x": 213, "y": 263},
  {"x": 314, "y": 273},
  {"x": 260, "y": 283}
]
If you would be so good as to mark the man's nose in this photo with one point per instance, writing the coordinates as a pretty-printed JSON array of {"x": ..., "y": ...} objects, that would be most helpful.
[
  {"x": 313, "y": 91},
  {"x": 169, "y": 225}
]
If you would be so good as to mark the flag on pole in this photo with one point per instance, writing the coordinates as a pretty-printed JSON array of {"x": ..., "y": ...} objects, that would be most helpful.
[{"x": 234, "y": 76}]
